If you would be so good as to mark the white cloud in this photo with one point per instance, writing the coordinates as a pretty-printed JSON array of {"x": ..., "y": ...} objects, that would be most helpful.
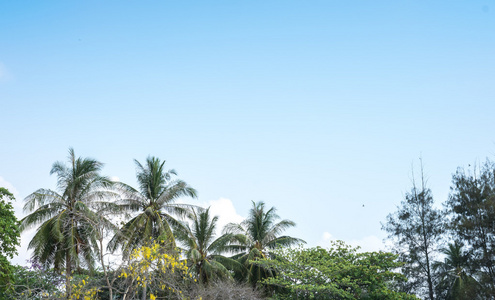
[
  {"x": 114, "y": 178},
  {"x": 18, "y": 203},
  {"x": 366, "y": 244},
  {"x": 4, "y": 183},
  {"x": 223, "y": 208},
  {"x": 326, "y": 237}
]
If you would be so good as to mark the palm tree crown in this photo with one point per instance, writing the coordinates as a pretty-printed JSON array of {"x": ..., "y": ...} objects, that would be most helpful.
[
  {"x": 203, "y": 251},
  {"x": 154, "y": 203},
  {"x": 255, "y": 236},
  {"x": 455, "y": 282}
]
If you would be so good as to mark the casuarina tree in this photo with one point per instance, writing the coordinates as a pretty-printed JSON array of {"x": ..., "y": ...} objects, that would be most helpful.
[
  {"x": 416, "y": 228},
  {"x": 471, "y": 206}
]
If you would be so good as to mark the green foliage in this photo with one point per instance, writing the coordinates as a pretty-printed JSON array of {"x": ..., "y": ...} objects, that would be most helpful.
[
  {"x": 336, "y": 273},
  {"x": 471, "y": 206},
  {"x": 255, "y": 237},
  {"x": 154, "y": 203},
  {"x": 203, "y": 251},
  {"x": 9, "y": 226},
  {"x": 35, "y": 282},
  {"x": 9, "y": 239},
  {"x": 6, "y": 277},
  {"x": 155, "y": 273},
  {"x": 456, "y": 283}
]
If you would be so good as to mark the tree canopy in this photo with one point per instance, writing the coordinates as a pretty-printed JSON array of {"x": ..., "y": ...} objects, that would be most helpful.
[
  {"x": 9, "y": 226},
  {"x": 9, "y": 239},
  {"x": 339, "y": 272}
]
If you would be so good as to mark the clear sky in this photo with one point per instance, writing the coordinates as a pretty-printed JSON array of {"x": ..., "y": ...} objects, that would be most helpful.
[{"x": 315, "y": 107}]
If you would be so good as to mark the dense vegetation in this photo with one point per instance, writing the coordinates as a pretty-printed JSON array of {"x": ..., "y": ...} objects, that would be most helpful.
[
  {"x": 100, "y": 239},
  {"x": 9, "y": 239}
]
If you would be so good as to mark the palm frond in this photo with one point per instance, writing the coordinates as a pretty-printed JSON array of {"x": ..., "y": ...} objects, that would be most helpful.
[
  {"x": 284, "y": 241},
  {"x": 41, "y": 215},
  {"x": 41, "y": 197}
]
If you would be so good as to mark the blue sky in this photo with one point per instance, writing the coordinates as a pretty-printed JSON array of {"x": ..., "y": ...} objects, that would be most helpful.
[{"x": 315, "y": 107}]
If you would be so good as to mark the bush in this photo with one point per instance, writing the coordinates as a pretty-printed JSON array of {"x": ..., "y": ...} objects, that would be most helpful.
[{"x": 223, "y": 290}]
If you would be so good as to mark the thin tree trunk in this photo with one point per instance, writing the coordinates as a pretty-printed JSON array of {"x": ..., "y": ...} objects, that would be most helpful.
[
  {"x": 430, "y": 282},
  {"x": 128, "y": 288},
  {"x": 143, "y": 296},
  {"x": 427, "y": 254},
  {"x": 425, "y": 235},
  {"x": 110, "y": 289}
]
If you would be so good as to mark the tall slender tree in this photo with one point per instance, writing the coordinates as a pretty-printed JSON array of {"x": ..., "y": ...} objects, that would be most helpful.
[
  {"x": 155, "y": 208},
  {"x": 67, "y": 217},
  {"x": 416, "y": 227},
  {"x": 254, "y": 237},
  {"x": 154, "y": 204}
]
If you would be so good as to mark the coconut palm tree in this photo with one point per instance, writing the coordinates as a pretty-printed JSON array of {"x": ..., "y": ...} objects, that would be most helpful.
[
  {"x": 455, "y": 282},
  {"x": 68, "y": 217},
  {"x": 255, "y": 237},
  {"x": 154, "y": 205},
  {"x": 202, "y": 250}
]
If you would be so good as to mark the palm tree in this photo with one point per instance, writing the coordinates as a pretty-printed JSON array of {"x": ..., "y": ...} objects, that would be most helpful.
[
  {"x": 68, "y": 217},
  {"x": 203, "y": 251},
  {"x": 255, "y": 237},
  {"x": 455, "y": 283},
  {"x": 154, "y": 203}
]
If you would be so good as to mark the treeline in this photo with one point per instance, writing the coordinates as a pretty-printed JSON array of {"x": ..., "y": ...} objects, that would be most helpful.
[
  {"x": 100, "y": 239},
  {"x": 448, "y": 251}
]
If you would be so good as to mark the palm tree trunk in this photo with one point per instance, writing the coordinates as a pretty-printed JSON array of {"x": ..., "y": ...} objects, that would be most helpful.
[{"x": 68, "y": 271}]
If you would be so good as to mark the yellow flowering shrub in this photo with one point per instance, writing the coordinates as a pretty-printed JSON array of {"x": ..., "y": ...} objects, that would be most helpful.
[{"x": 155, "y": 269}]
